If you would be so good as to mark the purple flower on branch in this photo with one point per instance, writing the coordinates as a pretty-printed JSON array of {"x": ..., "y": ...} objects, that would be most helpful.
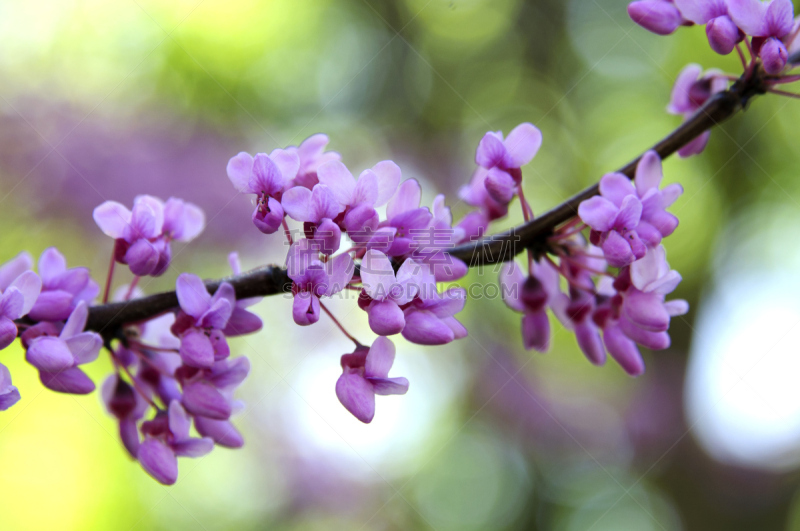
[
  {"x": 366, "y": 374},
  {"x": 62, "y": 288},
  {"x": 613, "y": 217},
  {"x": 769, "y": 22},
  {"x": 530, "y": 295},
  {"x": 267, "y": 176},
  {"x": 311, "y": 153},
  {"x": 692, "y": 90},
  {"x": 20, "y": 288},
  {"x": 143, "y": 235},
  {"x": 58, "y": 357},
  {"x": 389, "y": 291},
  {"x": 317, "y": 208},
  {"x": 722, "y": 32},
  {"x": 312, "y": 278},
  {"x": 202, "y": 319},
  {"x": 431, "y": 320},
  {"x": 165, "y": 438}
]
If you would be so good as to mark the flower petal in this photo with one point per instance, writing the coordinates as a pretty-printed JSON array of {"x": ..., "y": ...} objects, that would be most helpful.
[
  {"x": 379, "y": 358},
  {"x": 598, "y": 212},
  {"x": 85, "y": 346},
  {"x": 296, "y": 202},
  {"x": 536, "y": 331},
  {"x": 522, "y": 144},
  {"x": 389, "y": 386},
  {"x": 222, "y": 432},
  {"x": 240, "y": 170},
  {"x": 196, "y": 349},
  {"x": 203, "y": 399},
  {"x": 112, "y": 218},
  {"x": 491, "y": 151},
  {"x": 14, "y": 268},
  {"x": 338, "y": 178},
  {"x": 623, "y": 350},
  {"x": 424, "y": 328},
  {"x": 389, "y": 175},
  {"x": 356, "y": 395},
  {"x": 377, "y": 274},
  {"x": 385, "y": 317},
  {"x": 193, "y": 296},
  {"x": 73, "y": 381},
  {"x": 615, "y": 187},
  {"x": 159, "y": 461},
  {"x": 408, "y": 197},
  {"x": 49, "y": 354},
  {"x": 76, "y": 322}
]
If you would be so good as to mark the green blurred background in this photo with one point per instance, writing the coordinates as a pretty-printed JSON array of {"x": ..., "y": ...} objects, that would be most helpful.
[{"x": 104, "y": 100}]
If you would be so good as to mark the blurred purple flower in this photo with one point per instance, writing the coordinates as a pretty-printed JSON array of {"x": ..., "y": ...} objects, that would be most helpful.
[
  {"x": 165, "y": 438},
  {"x": 366, "y": 374}
]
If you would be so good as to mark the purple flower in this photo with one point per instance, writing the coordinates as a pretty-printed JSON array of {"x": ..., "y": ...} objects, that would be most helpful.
[
  {"x": 659, "y": 16},
  {"x": 575, "y": 313},
  {"x": 242, "y": 321},
  {"x": 691, "y": 91},
  {"x": 20, "y": 288},
  {"x": 143, "y": 235},
  {"x": 503, "y": 159},
  {"x": 530, "y": 295},
  {"x": 518, "y": 149},
  {"x": 374, "y": 187},
  {"x": 62, "y": 288},
  {"x": 405, "y": 221},
  {"x": 613, "y": 217},
  {"x": 476, "y": 194},
  {"x": 431, "y": 244},
  {"x": 769, "y": 22},
  {"x": 431, "y": 321},
  {"x": 165, "y": 438},
  {"x": 312, "y": 278},
  {"x": 655, "y": 222},
  {"x": 127, "y": 406},
  {"x": 721, "y": 30},
  {"x": 473, "y": 226},
  {"x": 635, "y": 311},
  {"x": 359, "y": 198},
  {"x": 58, "y": 357},
  {"x": 202, "y": 319},
  {"x": 267, "y": 176},
  {"x": 9, "y": 395},
  {"x": 366, "y": 374},
  {"x": 388, "y": 292},
  {"x": 312, "y": 155},
  {"x": 316, "y": 208},
  {"x": 208, "y": 396}
]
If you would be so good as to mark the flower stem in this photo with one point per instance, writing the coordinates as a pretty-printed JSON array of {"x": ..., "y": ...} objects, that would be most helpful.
[
  {"x": 337, "y": 323},
  {"x": 110, "y": 275},
  {"x": 287, "y": 231},
  {"x": 132, "y": 287}
]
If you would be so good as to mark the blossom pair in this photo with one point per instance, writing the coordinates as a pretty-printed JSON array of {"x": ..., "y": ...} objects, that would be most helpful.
[{"x": 727, "y": 23}]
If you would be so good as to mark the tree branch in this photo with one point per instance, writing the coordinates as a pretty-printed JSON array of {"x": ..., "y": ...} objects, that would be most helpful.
[{"x": 108, "y": 319}]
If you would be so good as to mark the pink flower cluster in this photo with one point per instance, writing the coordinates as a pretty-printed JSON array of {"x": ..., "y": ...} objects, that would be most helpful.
[
  {"x": 767, "y": 30},
  {"x": 174, "y": 371},
  {"x": 607, "y": 312}
]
